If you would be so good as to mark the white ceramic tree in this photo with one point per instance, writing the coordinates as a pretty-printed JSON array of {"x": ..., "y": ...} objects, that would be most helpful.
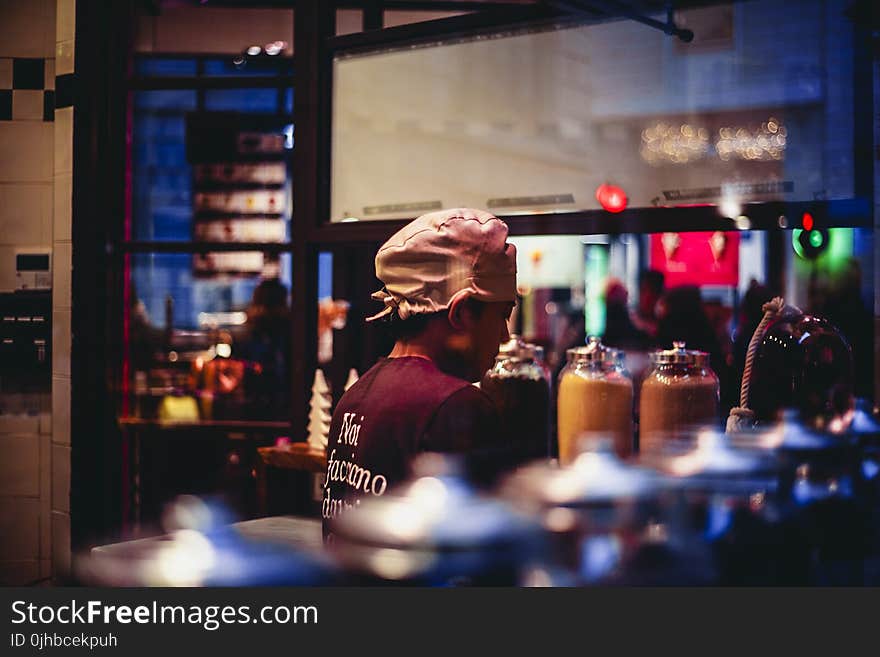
[
  {"x": 319, "y": 412},
  {"x": 352, "y": 378}
]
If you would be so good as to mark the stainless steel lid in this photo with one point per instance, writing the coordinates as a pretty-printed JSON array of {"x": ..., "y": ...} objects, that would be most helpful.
[
  {"x": 864, "y": 423},
  {"x": 789, "y": 435},
  {"x": 595, "y": 351},
  {"x": 518, "y": 349},
  {"x": 596, "y": 477},
  {"x": 711, "y": 459},
  {"x": 436, "y": 509},
  {"x": 678, "y": 355}
]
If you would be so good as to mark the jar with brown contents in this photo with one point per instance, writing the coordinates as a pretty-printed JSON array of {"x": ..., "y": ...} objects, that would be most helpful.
[
  {"x": 680, "y": 393},
  {"x": 595, "y": 396},
  {"x": 519, "y": 386}
]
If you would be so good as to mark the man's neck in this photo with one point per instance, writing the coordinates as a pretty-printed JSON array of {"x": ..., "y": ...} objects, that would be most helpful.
[{"x": 411, "y": 349}]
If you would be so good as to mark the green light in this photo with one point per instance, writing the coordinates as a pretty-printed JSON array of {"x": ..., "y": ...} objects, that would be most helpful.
[
  {"x": 816, "y": 238},
  {"x": 795, "y": 242},
  {"x": 596, "y": 272}
]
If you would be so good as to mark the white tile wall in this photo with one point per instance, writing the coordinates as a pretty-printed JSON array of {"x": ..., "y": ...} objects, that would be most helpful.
[
  {"x": 19, "y": 527},
  {"x": 64, "y": 51},
  {"x": 65, "y": 26},
  {"x": 62, "y": 207},
  {"x": 20, "y": 424},
  {"x": 65, "y": 29},
  {"x": 64, "y": 140},
  {"x": 61, "y": 275},
  {"x": 49, "y": 74},
  {"x": 27, "y": 105},
  {"x": 7, "y": 269},
  {"x": 26, "y": 214},
  {"x": 26, "y": 151},
  {"x": 35, "y": 450},
  {"x": 27, "y": 28},
  {"x": 45, "y": 497},
  {"x": 19, "y": 465},
  {"x": 61, "y": 478},
  {"x": 61, "y": 342},
  {"x": 61, "y": 410},
  {"x": 5, "y": 73}
]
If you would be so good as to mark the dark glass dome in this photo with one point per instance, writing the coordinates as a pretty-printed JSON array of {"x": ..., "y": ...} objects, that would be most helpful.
[{"x": 803, "y": 362}]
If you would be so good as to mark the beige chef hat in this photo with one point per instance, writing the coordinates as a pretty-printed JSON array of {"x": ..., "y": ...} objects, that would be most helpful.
[{"x": 442, "y": 256}]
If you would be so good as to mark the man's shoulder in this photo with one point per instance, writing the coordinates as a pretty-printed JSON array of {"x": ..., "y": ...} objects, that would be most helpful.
[{"x": 409, "y": 377}]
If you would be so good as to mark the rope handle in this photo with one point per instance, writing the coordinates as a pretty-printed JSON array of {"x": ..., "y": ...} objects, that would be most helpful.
[{"x": 771, "y": 309}]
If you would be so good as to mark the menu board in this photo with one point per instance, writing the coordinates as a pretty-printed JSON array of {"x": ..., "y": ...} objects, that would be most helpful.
[{"x": 240, "y": 189}]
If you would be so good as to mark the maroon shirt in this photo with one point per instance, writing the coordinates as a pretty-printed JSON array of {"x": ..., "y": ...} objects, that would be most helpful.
[{"x": 400, "y": 407}]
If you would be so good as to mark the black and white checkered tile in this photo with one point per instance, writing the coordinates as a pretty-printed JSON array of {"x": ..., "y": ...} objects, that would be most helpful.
[{"x": 29, "y": 90}]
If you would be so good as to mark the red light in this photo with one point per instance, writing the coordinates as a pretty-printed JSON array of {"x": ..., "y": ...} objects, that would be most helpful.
[
  {"x": 611, "y": 197},
  {"x": 807, "y": 221}
]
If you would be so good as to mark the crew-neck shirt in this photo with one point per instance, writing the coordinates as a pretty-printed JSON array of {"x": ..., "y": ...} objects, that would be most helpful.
[{"x": 397, "y": 409}]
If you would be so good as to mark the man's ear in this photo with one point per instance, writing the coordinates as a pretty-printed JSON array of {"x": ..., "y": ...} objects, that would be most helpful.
[{"x": 460, "y": 314}]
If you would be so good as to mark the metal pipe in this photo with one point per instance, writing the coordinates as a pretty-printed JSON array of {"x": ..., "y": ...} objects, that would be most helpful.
[{"x": 613, "y": 7}]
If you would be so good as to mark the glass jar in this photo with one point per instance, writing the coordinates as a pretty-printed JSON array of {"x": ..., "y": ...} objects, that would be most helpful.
[
  {"x": 731, "y": 502},
  {"x": 595, "y": 396},
  {"x": 519, "y": 384},
  {"x": 435, "y": 529},
  {"x": 680, "y": 393},
  {"x": 825, "y": 520},
  {"x": 606, "y": 522}
]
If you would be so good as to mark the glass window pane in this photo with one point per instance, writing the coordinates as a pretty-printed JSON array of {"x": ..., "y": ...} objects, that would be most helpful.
[
  {"x": 243, "y": 65},
  {"x": 758, "y": 109},
  {"x": 213, "y": 329},
  {"x": 211, "y": 176},
  {"x": 259, "y": 101},
  {"x": 165, "y": 66}
]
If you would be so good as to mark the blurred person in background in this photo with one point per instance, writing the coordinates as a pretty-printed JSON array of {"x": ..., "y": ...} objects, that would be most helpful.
[
  {"x": 449, "y": 287},
  {"x": 266, "y": 349},
  {"x": 682, "y": 317},
  {"x": 651, "y": 286},
  {"x": 845, "y": 308},
  {"x": 620, "y": 330}
]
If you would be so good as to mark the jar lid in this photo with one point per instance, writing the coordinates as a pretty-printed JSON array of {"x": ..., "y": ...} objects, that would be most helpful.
[
  {"x": 678, "y": 355},
  {"x": 518, "y": 349},
  {"x": 437, "y": 509},
  {"x": 595, "y": 351},
  {"x": 790, "y": 435},
  {"x": 596, "y": 477},
  {"x": 711, "y": 456},
  {"x": 864, "y": 423}
]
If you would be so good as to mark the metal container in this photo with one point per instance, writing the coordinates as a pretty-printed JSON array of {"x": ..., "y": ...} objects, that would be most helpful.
[
  {"x": 204, "y": 547},
  {"x": 433, "y": 530},
  {"x": 865, "y": 432},
  {"x": 606, "y": 521},
  {"x": 730, "y": 497},
  {"x": 595, "y": 396},
  {"x": 826, "y": 522},
  {"x": 519, "y": 384},
  {"x": 680, "y": 394}
]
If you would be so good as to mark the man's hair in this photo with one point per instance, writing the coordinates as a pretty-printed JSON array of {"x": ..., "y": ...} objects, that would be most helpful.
[{"x": 415, "y": 325}]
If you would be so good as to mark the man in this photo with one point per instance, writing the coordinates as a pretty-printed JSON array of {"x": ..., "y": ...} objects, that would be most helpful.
[
  {"x": 651, "y": 287},
  {"x": 449, "y": 288}
]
